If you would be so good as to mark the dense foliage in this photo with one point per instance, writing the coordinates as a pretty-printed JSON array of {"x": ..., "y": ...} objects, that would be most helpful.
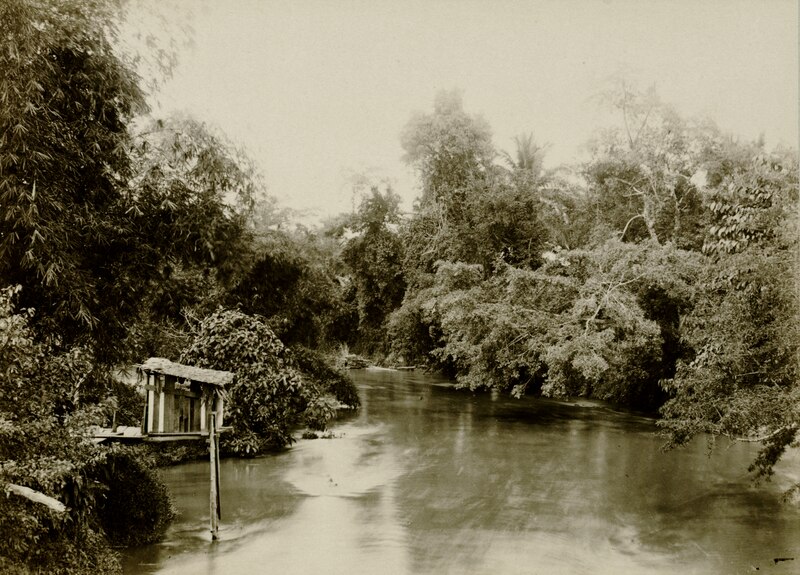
[
  {"x": 67, "y": 99},
  {"x": 579, "y": 325},
  {"x": 372, "y": 252},
  {"x": 110, "y": 221},
  {"x": 641, "y": 178},
  {"x": 290, "y": 279},
  {"x": 665, "y": 280},
  {"x": 45, "y": 445},
  {"x": 741, "y": 378},
  {"x": 470, "y": 209},
  {"x": 266, "y": 397},
  {"x": 119, "y": 233},
  {"x": 317, "y": 371},
  {"x": 270, "y": 394}
]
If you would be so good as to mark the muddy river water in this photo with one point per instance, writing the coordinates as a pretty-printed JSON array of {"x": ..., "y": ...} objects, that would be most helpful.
[{"x": 425, "y": 478}]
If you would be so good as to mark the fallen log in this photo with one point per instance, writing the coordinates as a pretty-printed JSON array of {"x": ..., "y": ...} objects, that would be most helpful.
[{"x": 36, "y": 497}]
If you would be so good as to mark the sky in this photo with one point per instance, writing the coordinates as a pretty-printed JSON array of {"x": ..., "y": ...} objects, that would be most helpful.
[{"x": 319, "y": 90}]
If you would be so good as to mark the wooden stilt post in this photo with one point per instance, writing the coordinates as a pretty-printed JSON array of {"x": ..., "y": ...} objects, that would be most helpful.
[
  {"x": 219, "y": 475},
  {"x": 213, "y": 460}
]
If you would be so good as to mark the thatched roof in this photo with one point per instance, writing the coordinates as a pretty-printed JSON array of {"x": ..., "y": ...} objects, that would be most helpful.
[{"x": 167, "y": 367}]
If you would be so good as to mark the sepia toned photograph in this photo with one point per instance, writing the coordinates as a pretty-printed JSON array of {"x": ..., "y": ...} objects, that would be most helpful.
[{"x": 399, "y": 287}]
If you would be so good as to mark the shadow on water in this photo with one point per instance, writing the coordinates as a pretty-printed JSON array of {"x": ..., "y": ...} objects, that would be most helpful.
[{"x": 425, "y": 478}]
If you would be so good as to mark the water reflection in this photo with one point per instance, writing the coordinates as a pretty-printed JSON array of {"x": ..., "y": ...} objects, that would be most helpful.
[{"x": 426, "y": 479}]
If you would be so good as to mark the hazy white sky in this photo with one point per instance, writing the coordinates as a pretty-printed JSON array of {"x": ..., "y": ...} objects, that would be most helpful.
[{"x": 320, "y": 89}]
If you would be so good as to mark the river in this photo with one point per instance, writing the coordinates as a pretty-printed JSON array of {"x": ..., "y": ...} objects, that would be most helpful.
[{"x": 428, "y": 479}]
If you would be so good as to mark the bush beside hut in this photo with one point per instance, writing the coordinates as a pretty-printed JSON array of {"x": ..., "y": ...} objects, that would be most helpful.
[{"x": 273, "y": 391}]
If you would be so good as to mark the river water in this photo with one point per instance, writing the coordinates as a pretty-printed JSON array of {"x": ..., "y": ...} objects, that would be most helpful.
[{"x": 425, "y": 478}]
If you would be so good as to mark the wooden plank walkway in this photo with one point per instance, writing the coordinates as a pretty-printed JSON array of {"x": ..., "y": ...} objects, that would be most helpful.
[
  {"x": 130, "y": 434},
  {"x": 133, "y": 434}
]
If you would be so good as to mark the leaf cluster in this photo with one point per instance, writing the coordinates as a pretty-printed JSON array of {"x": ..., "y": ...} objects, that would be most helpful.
[{"x": 66, "y": 100}]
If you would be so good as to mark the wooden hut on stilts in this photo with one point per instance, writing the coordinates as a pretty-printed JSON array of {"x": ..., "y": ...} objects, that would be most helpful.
[
  {"x": 182, "y": 403},
  {"x": 181, "y": 399}
]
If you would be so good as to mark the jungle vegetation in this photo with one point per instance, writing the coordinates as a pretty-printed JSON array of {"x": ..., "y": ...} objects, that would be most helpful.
[
  {"x": 125, "y": 235},
  {"x": 660, "y": 275}
]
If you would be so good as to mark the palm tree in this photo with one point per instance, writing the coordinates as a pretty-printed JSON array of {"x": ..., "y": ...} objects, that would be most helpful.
[{"x": 526, "y": 164}]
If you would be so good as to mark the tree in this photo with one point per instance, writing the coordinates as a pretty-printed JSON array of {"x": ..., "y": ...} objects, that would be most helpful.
[
  {"x": 290, "y": 278},
  {"x": 266, "y": 397},
  {"x": 740, "y": 379},
  {"x": 453, "y": 154},
  {"x": 526, "y": 165},
  {"x": 192, "y": 196},
  {"x": 449, "y": 149},
  {"x": 374, "y": 256},
  {"x": 617, "y": 340},
  {"x": 67, "y": 101},
  {"x": 97, "y": 217},
  {"x": 189, "y": 208},
  {"x": 641, "y": 175},
  {"x": 749, "y": 203},
  {"x": 597, "y": 323},
  {"x": 471, "y": 210}
]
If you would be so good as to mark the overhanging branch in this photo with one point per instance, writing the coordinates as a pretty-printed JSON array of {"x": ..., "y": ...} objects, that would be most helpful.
[{"x": 760, "y": 439}]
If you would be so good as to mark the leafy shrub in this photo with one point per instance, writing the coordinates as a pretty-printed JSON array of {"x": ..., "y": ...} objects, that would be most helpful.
[
  {"x": 328, "y": 379},
  {"x": 411, "y": 330},
  {"x": 131, "y": 480},
  {"x": 104, "y": 495},
  {"x": 415, "y": 328},
  {"x": 320, "y": 410},
  {"x": 39, "y": 540},
  {"x": 267, "y": 396}
]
